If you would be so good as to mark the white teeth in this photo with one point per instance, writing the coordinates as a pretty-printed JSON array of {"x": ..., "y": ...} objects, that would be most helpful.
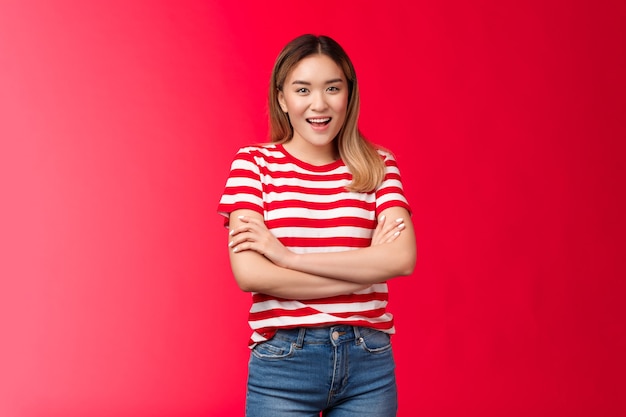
[{"x": 319, "y": 120}]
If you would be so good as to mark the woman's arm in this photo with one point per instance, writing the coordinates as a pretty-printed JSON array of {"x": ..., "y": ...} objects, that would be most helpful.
[
  {"x": 256, "y": 273},
  {"x": 365, "y": 266}
]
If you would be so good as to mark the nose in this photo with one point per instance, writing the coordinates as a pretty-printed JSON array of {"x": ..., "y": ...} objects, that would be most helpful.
[{"x": 318, "y": 101}]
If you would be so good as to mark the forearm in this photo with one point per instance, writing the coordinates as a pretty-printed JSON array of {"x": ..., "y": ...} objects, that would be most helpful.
[
  {"x": 363, "y": 266},
  {"x": 255, "y": 273}
]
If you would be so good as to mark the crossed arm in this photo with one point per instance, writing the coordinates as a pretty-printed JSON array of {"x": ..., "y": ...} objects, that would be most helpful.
[{"x": 260, "y": 263}]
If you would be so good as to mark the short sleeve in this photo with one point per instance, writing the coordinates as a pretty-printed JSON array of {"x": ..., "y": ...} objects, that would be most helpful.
[
  {"x": 243, "y": 188},
  {"x": 391, "y": 193}
]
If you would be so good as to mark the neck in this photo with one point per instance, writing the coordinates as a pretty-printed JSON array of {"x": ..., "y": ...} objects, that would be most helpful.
[{"x": 312, "y": 154}]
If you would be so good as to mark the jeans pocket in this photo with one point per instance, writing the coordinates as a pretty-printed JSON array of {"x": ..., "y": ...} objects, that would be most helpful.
[
  {"x": 374, "y": 341},
  {"x": 274, "y": 349}
]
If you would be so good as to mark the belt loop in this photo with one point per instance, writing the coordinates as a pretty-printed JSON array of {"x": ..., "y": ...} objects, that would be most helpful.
[
  {"x": 300, "y": 340},
  {"x": 357, "y": 335}
]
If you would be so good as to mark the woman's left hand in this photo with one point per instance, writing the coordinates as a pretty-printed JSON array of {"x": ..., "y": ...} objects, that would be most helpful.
[
  {"x": 387, "y": 230},
  {"x": 254, "y": 235}
]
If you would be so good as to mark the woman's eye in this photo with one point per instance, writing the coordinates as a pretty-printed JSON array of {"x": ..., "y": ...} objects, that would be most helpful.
[
  {"x": 302, "y": 90},
  {"x": 333, "y": 89}
]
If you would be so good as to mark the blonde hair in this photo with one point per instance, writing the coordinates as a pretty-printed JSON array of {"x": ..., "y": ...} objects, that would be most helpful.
[{"x": 360, "y": 156}]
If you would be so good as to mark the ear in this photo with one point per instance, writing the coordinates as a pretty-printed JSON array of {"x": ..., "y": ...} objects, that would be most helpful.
[{"x": 282, "y": 102}]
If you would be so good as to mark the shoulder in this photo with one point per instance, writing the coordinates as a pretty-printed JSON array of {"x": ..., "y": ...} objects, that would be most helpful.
[
  {"x": 257, "y": 152},
  {"x": 386, "y": 154},
  {"x": 258, "y": 148}
]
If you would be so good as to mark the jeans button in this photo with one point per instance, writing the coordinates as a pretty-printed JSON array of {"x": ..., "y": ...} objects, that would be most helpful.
[{"x": 335, "y": 335}]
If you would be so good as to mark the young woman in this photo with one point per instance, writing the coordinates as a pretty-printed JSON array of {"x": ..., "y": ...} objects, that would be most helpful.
[{"x": 318, "y": 223}]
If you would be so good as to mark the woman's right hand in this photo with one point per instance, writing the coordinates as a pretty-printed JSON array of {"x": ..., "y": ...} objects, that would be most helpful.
[{"x": 253, "y": 235}]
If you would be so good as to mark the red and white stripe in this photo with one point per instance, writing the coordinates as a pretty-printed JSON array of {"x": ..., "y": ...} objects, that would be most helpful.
[{"x": 309, "y": 210}]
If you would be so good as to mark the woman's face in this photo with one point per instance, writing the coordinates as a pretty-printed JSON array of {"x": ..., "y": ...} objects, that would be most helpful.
[{"x": 315, "y": 96}]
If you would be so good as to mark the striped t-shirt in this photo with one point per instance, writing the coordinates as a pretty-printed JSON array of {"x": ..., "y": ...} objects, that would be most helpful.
[{"x": 308, "y": 209}]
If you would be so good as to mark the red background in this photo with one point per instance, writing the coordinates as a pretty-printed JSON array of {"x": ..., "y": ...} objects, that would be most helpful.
[{"x": 118, "y": 121}]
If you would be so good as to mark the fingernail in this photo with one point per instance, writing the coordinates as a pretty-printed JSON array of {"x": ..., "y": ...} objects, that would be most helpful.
[
  {"x": 381, "y": 218},
  {"x": 397, "y": 234},
  {"x": 230, "y": 244},
  {"x": 235, "y": 250},
  {"x": 400, "y": 220},
  {"x": 232, "y": 232},
  {"x": 240, "y": 217},
  {"x": 401, "y": 226}
]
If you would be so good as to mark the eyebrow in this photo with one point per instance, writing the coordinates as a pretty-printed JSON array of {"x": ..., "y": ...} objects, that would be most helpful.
[{"x": 335, "y": 80}]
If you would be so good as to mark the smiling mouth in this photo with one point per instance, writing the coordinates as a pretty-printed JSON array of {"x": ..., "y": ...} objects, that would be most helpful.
[{"x": 322, "y": 121}]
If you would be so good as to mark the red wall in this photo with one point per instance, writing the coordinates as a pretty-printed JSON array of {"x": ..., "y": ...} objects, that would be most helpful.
[{"x": 118, "y": 121}]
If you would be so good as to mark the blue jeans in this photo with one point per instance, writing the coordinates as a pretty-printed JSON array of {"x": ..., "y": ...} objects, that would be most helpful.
[{"x": 340, "y": 371}]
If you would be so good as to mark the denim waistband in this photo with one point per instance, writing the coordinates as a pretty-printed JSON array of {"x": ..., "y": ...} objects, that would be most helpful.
[{"x": 323, "y": 335}]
